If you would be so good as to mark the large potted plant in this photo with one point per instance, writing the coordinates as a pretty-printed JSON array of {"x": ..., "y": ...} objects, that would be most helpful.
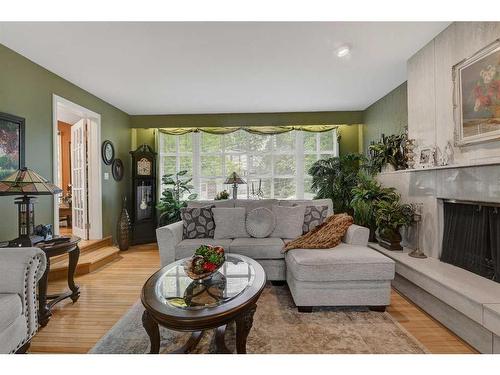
[
  {"x": 390, "y": 216},
  {"x": 172, "y": 199},
  {"x": 388, "y": 153},
  {"x": 335, "y": 178},
  {"x": 365, "y": 196}
]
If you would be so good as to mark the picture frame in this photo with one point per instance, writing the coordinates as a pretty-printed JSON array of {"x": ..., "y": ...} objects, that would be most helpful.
[
  {"x": 108, "y": 152},
  {"x": 427, "y": 157},
  {"x": 476, "y": 97},
  {"x": 117, "y": 169},
  {"x": 12, "y": 144}
]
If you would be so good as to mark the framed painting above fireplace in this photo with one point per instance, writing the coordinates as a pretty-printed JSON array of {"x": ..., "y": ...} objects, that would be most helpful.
[
  {"x": 477, "y": 96},
  {"x": 11, "y": 144}
]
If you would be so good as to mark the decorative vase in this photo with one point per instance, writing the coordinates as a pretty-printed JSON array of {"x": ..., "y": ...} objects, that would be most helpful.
[
  {"x": 389, "y": 239},
  {"x": 123, "y": 227}
]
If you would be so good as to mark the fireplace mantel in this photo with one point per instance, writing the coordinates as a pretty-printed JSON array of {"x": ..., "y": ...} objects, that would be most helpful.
[{"x": 442, "y": 167}]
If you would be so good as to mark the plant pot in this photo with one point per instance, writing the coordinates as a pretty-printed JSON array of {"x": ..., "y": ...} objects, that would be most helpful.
[
  {"x": 389, "y": 239},
  {"x": 388, "y": 168}
]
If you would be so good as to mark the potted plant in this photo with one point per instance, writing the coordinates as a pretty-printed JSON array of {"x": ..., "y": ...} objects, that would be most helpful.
[
  {"x": 388, "y": 153},
  {"x": 335, "y": 178},
  {"x": 390, "y": 216},
  {"x": 222, "y": 195},
  {"x": 172, "y": 199},
  {"x": 365, "y": 197}
]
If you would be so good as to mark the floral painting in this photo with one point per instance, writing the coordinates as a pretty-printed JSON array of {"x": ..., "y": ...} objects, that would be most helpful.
[
  {"x": 11, "y": 144},
  {"x": 477, "y": 89}
]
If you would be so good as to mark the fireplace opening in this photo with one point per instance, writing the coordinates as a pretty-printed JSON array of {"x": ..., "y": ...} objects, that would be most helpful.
[{"x": 471, "y": 238}]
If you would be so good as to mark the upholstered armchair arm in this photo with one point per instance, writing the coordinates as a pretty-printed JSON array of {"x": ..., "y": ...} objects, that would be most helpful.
[
  {"x": 168, "y": 237},
  {"x": 20, "y": 270},
  {"x": 357, "y": 235}
]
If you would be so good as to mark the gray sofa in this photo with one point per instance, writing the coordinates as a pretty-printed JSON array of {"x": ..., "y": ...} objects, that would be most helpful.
[
  {"x": 349, "y": 274},
  {"x": 20, "y": 271}
]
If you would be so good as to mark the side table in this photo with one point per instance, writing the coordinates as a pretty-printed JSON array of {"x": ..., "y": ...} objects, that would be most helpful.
[{"x": 46, "y": 302}]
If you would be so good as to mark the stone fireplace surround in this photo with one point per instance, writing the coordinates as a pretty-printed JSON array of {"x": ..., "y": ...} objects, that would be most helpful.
[{"x": 466, "y": 303}]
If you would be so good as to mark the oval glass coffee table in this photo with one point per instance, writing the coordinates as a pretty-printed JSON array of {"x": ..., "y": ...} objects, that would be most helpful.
[{"x": 173, "y": 300}]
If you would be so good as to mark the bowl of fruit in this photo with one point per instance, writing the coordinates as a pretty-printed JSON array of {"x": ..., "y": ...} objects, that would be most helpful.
[{"x": 205, "y": 262}]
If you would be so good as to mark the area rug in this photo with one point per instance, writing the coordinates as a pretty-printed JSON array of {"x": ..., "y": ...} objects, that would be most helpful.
[{"x": 279, "y": 329}]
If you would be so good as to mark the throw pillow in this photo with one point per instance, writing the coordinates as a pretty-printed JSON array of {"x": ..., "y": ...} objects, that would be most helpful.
[
  {"x": 324, "y": 236},
  {"x": 198, "y": 222},
  {"x": 229, "y": 222},
  {"x": 314, "y": 216},
  {"x": 289, "y": 221},
  {"x": 260, "y": 222}
]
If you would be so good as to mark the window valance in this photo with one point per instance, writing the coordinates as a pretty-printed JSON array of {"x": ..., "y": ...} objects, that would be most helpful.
[{"x": 264, "y": 130}]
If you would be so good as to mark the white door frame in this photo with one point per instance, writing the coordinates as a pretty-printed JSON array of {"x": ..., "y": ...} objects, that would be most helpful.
[{"x": 94, "y": 164}]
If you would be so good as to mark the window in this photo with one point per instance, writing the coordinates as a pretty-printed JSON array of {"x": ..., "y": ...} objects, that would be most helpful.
[{"x": 277, "y": 163}]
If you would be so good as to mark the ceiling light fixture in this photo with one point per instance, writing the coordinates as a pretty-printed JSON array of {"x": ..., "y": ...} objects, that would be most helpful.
[{"x": 343, "y": 51}]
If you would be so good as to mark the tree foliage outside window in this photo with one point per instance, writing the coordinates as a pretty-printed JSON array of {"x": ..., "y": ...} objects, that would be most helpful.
[{"x": 278, "y": 162}]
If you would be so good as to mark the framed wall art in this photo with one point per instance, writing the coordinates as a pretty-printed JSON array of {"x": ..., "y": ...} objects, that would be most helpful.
[
  {"x": 477, "y": 96},
  {"x": 11, "y": 144}
]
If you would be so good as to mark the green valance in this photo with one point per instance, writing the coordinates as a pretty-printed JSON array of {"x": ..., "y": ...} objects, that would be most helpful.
[{"x": 264, "y": 130}]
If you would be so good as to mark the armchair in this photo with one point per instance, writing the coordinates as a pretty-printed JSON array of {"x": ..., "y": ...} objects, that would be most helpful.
[{"x": 20, "y": 270}]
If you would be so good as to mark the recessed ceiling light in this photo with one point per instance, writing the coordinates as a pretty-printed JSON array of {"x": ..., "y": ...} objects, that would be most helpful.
[{"x": 343, "y": 51}]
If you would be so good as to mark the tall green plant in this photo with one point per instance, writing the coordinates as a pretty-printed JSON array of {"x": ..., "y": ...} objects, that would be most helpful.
[
  {"x": 392, "y": 215},
  {"x": 172, "y": 199},
  {"x": 335, "y": 178},
  {"x": 366, "y": 195}
]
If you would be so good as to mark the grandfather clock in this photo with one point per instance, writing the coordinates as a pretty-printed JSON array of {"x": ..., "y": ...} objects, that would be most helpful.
[{"x": 143, "y": 195}]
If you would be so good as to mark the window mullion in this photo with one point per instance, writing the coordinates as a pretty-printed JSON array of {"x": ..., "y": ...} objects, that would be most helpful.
[
  {"x": 299, "y": 164},
  {"x": 196, "y": 161}
]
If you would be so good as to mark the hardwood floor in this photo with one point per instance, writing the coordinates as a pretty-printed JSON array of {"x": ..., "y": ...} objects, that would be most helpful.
[{"x": 109, "y": 292}]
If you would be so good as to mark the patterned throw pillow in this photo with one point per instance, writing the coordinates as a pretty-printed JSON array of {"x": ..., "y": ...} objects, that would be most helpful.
[
  {"x": 198, "y": 222},
  {"x": 314, "y": 216}
]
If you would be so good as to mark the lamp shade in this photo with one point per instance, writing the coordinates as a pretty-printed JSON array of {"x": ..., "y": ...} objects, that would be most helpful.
[
  {"x": 27, "y": 181},
  {"x": 234, "y": 179}
]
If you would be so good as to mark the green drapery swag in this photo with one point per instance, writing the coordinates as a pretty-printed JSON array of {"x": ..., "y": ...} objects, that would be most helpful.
[{"x": 263, "y": 130}]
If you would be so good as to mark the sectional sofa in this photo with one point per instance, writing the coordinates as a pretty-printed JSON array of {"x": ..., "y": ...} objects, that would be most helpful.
[{"x": 350, "y": 274}]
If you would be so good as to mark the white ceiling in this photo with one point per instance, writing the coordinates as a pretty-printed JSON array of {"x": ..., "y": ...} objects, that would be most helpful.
[{"x": 217, "y": 67}]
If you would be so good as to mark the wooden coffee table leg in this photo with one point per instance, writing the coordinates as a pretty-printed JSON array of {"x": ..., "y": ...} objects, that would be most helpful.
[
  {"x": 191, "y": 344},
  {"x": 153, "y": 331},
  {"x": 43, "y": 308},
  {"x": 220, "y": 342},
  {"x": 74, "y": 255},
  {"x": 243, "y": 326}
]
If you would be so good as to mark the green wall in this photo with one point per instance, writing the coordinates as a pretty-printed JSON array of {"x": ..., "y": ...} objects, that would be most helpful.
[
  {"x": 26, "y": 90},
  {"x": 388, "y": 115}
]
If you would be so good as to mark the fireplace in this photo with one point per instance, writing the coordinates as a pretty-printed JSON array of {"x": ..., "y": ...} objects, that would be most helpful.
[{"x": 471, "y": 237}]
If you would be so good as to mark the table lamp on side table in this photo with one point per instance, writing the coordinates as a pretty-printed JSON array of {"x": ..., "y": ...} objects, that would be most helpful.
[
  {"x": 26, "y": 183},
  {"x": 235, "y": 180}
]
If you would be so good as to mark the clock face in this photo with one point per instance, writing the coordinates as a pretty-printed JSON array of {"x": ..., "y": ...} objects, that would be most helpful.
[{"x": 144, "y": 167}]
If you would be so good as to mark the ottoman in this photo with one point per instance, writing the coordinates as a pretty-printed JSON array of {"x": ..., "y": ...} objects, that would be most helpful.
[{"x": 347, "y": 275}]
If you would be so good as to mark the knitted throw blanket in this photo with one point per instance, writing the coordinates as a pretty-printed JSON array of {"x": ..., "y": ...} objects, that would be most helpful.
[{"x": 324, "y": 236}]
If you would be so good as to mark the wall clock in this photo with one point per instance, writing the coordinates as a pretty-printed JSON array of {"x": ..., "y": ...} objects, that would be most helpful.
[
  {"x": 117, "y": 169},
  {"x": 108, "y": 152}
]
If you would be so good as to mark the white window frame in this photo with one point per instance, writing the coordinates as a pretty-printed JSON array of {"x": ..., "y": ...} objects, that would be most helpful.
[{"x": 298, "y": 153}]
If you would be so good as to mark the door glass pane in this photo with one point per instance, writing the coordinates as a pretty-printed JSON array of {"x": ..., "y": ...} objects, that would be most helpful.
[
  {"x": 284, "y": 165},
  {"x": 309, "y": 160},
  {"x": 308, "y": 192},
  {"x": 284, "y": 188},
  {"x": 209, "y": 187}
]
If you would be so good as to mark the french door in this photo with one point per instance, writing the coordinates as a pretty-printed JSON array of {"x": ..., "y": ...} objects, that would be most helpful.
[{"x": 79, "y": 179}]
